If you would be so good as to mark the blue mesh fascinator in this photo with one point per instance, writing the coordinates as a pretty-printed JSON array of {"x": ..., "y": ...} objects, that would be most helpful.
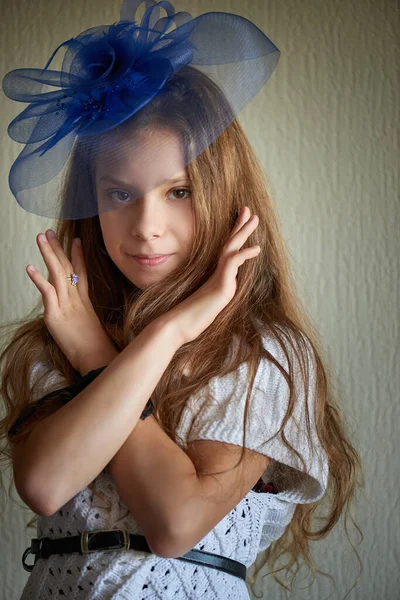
[{"x": 190, "y": 75}]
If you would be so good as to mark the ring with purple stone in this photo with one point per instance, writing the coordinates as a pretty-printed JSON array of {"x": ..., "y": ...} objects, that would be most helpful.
[{"x": 73, "y": 279}]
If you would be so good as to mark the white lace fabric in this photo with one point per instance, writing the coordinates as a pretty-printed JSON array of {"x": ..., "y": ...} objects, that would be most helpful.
[{"x": 256, "y": 521}]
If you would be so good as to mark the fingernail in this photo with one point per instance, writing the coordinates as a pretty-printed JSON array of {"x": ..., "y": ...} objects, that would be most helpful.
[
  {"x": 78, "y": 241},
  {"x": 51, "y": 233},
  {"x": 42, "y": 237}
]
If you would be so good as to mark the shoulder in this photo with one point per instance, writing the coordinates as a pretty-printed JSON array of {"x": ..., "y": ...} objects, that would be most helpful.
[
  {"x": 218, "y": 412},
  {"x": 272, "y": 364}
]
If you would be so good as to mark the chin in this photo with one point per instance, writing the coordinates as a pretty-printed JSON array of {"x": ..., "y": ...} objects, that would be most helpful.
[{"x": 144, "y": 282}]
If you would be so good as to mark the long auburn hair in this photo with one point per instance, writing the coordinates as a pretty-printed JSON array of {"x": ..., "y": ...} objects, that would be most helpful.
[{"x": 266, "y": 302}]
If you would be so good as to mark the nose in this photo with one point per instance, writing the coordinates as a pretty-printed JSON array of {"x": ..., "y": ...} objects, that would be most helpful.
[{"x": 147, "y": 218}]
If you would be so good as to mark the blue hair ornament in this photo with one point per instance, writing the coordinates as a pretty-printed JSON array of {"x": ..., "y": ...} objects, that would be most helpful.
[{"x": 110, "y": 72}]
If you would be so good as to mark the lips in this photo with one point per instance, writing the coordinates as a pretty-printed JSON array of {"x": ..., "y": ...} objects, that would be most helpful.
[
  {"x": 153, "y": 261},
  {"x": 149, "y": 255}
]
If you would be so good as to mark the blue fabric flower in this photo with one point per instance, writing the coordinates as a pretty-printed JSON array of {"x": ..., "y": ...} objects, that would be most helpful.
[{"x": 108, "y": 73}]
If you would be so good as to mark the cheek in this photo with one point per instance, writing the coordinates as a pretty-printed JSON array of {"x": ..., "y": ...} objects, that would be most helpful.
[{"x": 179, "y": 223}]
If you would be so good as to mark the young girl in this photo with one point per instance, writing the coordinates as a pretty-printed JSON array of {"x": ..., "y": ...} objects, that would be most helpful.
[{"x": 168, "y": 415}]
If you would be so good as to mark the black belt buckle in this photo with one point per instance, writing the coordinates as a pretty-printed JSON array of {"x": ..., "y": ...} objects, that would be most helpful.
[
  {"x": 39, "y": 548},
  {"x": 118, "y": 541}
]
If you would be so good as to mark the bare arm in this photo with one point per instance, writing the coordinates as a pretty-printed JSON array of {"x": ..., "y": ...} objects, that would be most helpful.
[
  {"x": 173, "y": 504},
  {"x": 68, "y": 449}
]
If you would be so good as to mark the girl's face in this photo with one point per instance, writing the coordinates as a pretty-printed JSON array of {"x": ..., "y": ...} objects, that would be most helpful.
[{"x": 159, "y": 220}]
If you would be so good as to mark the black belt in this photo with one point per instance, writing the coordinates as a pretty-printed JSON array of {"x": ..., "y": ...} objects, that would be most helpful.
[{"x": 120, "y": 539}]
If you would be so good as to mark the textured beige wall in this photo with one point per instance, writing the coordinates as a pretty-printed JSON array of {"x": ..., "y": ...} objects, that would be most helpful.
[{"x": 326, "y": 130}]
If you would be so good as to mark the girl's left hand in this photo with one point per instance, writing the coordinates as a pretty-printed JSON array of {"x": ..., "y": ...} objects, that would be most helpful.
[
  {"x": 193, "y": 315},
  {"x": 68, "y": 312}
]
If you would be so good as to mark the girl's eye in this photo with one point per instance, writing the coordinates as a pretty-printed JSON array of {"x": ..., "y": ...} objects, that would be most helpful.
[
  {"x": 110, "y": 195},
  {"x": 182, "y": 190},
  {"x": 125, "y": 200}
]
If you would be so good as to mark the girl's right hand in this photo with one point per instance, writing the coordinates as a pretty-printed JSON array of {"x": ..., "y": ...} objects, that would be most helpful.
[
  {"x": 194, "y": 314},
  {"x": 68, "y": 312}
]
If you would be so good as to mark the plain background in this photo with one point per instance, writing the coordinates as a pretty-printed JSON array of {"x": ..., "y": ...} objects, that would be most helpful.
[{"x": 326, "y": 128}]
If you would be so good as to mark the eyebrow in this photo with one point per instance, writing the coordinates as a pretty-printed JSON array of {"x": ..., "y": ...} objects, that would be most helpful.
[{"x": 126, "y": 184}]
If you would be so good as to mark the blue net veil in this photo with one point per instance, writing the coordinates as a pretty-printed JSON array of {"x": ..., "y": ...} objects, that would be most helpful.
[{"x": 187, "y": 77}]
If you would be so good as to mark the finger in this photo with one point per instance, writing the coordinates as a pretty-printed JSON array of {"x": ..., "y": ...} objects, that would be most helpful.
[
  {"x": 79, "y": 267},
  {"x": 58, "y": 277},
  {"x": 239, "y": 257},
  {"x": 49, "y": 294},
  {"x": 59, "y": 252},
  {"x": 243, "y": 216},
  {"x": 76, "y": 265},
  {"x": 232, "y": 264},
  {"x": 240, "y": 237}
]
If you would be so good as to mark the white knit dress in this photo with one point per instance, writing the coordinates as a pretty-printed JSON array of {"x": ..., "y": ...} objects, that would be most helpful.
[{"x": 258, "y": 520}]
